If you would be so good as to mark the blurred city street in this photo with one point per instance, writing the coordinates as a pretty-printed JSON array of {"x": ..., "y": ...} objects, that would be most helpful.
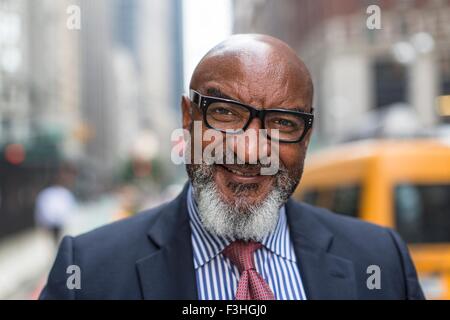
[
  {"x": 90, "y": 94},
  {"x": 26, "y": 257}
]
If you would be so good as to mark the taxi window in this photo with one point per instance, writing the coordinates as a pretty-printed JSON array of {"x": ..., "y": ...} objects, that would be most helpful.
[
  {"x": 346, "y": 200},
  {"x": 343, "y": 199},
  {"x": 423, "y": 212}
]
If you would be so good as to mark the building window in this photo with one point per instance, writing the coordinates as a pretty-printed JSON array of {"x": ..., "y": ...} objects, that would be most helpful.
[
  {"x": 445, "y": 74},
  {"x": 390, "y": 83}
]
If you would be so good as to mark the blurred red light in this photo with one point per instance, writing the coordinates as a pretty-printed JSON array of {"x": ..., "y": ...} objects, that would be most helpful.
[{"x": 15, "y": 153}]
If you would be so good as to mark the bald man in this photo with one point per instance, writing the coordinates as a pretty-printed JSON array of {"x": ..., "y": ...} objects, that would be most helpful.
[{"x": 234, "y": 232}]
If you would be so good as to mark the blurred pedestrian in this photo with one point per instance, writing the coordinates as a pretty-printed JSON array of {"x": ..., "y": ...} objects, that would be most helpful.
[{"x": 56, "y": 203}]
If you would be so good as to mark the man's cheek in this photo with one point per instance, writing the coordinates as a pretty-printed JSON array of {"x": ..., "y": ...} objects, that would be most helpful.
[
  {"x": 289, "y": 156},
  {"x": 293, "y": 162}
]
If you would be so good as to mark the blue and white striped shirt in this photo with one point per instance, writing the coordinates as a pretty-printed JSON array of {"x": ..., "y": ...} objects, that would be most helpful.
[{"x": 217, "y": 277}]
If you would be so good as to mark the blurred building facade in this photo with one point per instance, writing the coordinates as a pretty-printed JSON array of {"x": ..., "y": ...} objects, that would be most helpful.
[
  {"x": 360, "y": 72},
  {"x": 39, "y": 102},
  {"x": 39, "y": 75},
  {"x": 132, "y": 78},
  {"x": 89, "y": 95}
]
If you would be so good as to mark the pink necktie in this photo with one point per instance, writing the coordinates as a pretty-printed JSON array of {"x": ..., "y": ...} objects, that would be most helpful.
[{"x": 251, "y": 285}]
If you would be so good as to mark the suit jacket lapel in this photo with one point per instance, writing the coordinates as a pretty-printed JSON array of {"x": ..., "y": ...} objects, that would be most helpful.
[
  {"x": 168, "y": 273},
  {"x": 324, "y": 275}
]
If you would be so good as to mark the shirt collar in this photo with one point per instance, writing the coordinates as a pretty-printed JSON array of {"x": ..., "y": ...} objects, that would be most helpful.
[{"x": 277, "y": 241}]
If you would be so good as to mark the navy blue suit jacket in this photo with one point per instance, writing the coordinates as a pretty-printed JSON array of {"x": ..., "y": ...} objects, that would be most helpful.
[{"x": 149, "y": 256}]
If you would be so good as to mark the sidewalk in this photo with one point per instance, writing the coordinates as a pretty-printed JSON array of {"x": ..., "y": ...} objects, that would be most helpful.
[{"x": 26, "y": 257}]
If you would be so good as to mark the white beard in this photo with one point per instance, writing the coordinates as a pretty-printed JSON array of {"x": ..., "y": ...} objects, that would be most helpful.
[{"x": 240, "y": 221}]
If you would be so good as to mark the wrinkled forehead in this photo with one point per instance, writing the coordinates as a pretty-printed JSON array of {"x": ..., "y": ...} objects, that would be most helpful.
[{"x": 255, "y": 73}]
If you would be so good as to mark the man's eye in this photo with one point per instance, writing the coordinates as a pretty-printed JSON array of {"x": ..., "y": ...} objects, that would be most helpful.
[
  {"x": 284, "y": 123},
  {"x": 222, "y": 111}
]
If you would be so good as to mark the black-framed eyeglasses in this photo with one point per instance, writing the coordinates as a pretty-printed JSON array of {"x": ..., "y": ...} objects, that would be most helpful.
[{"x": 229, "y": 116}]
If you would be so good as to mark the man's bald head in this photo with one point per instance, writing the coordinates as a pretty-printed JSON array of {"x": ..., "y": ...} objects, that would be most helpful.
[{"x": 259, "y": 69}]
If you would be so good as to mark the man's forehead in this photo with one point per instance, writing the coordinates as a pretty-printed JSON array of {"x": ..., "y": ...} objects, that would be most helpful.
[
  {"x": 260, "y": 99},
  {"x": 260, "y": 87},
  {"x": 243, "y": 59}
]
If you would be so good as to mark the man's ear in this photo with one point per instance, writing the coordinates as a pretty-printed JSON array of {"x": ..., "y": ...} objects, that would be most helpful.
[{"x": 186, "y": 112}]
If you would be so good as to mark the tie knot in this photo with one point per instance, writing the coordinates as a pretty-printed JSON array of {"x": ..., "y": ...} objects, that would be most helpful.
[{"x": 241, "y": 254}]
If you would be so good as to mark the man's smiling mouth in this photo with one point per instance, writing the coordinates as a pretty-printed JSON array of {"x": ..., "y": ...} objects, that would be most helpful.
[{"x": 242, "y": 170}]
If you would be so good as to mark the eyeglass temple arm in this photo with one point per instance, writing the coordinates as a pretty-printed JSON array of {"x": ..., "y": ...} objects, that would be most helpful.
[{"x": 195, "y": 97}]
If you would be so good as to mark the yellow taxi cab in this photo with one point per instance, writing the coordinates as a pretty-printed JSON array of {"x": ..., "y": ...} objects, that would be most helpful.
[{"x": 402, "y": 184}]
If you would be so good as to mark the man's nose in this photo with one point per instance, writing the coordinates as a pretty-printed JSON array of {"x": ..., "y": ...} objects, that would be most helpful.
[{"x": 252, "y": 144}]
